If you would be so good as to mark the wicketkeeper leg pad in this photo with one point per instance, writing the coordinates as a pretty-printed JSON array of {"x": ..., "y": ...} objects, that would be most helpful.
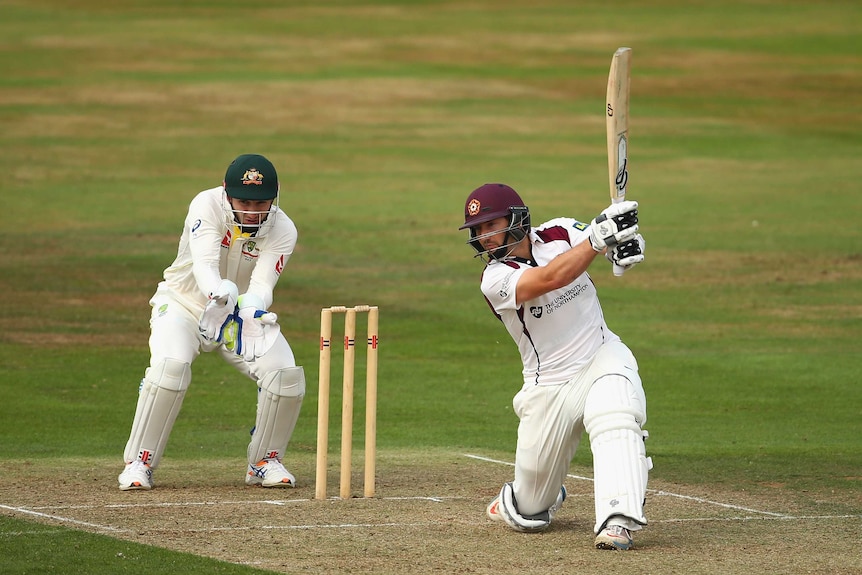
[
  {"x": 614, "y": 412},
  {"x": 159, "y": 401},
  {"x": 278, "y": 403}
]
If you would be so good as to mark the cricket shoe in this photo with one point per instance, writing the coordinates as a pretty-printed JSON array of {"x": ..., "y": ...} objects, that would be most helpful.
[
  {"x": 616, "y": 538},
  {"x": 494, "y": 514},
  {"x": 136, "y": 475},
  {"x": 269, "y": 473},
  {"x": 493, "y": 510}
]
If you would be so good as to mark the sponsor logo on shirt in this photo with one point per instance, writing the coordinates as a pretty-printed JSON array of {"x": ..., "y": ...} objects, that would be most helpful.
[
  {"x": 565, "y": 298},
  {"x": 249, "y": 249},
  {"x": 507, "y": 285}
]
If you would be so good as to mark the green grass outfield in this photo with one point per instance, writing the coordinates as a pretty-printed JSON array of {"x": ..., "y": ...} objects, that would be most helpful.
[{"x": 745, "y": 153}]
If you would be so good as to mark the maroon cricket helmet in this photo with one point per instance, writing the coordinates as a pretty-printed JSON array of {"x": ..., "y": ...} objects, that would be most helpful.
[
  {"x": 493, "y": 201},
  {"x": 490, "y": 202}
]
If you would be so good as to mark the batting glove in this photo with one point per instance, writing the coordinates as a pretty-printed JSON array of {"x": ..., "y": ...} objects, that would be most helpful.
[
  {"x": 627, "y": 254},
  {"x": 616, "y": 224},
  {"x": 218, "y": 310}
]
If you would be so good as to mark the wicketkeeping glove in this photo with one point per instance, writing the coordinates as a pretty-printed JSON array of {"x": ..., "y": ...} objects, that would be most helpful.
[
  {"x": 218, "y": 310},
  {"x": 627, "y": 254},
  {"x": 257, "y": 328},
  {"x": 616, "y": 224}
]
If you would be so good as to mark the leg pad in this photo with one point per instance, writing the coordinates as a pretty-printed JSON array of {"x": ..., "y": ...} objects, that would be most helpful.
[
  {"x": 614, "y": 412},
  {"x": 161, "y": 396},
  {"x": 279, "y": 400}
]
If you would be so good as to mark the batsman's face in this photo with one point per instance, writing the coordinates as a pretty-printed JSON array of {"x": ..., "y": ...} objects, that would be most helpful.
[
  {"x": 250, "y": 212},
  {"x": 492, "y": 234}
]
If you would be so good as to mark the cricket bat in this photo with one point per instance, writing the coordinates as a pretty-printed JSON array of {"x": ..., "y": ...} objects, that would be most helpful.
[
  {"x": 618, "y": 123},
  {"x": 618, "y": 127}
]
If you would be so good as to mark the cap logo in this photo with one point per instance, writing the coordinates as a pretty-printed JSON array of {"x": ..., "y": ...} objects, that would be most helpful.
[
  {"x": 252, "y": 177},
  {"x": 473, "y": 207}
]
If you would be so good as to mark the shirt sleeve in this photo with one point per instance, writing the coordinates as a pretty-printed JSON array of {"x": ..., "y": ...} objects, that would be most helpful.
[
  {"x": 579, "y": 232},
  {"x": 498, "y": 285},
  {"x": 206, "y": 231},
  {"x": 272, "y": 259}
]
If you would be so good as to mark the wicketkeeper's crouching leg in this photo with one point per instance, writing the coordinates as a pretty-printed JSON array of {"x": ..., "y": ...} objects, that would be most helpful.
[
  {"x": 279, "y": 400},
  {"x": 161, "y": 396}
]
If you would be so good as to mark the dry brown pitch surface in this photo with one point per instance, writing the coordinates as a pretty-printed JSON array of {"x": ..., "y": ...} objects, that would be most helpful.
[{"x": 428, "y": 517}]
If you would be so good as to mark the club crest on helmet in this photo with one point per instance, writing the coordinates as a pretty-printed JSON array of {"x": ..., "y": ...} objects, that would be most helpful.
[{"x": 252, "y": 176}]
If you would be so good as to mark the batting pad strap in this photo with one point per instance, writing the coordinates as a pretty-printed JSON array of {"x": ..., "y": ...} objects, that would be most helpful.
[
  {"x": 279, "y": 400},
  {"x": 161, "y": 396},
  {"x": 620, "y": 419},
  {"x": 518, "y": 522}
]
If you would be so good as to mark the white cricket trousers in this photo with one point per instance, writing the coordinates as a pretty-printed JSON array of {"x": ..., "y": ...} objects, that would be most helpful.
[{"x": 552, "y": 423}]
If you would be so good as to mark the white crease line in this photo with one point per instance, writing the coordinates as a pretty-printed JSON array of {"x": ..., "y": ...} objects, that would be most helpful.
[
  {"x": 725, "y": 505},
  {"x": 654, "y": 491},
  {"x": 311, "y": 527},
  {"x": 277, "y": 502},
  {"x": 63, "y": 519},
  {"x": 771, "y": 515},
  {"x": 300, "y": 527},
  {"x": 489, "y": 460},
  {"x": 780, "y": 518},
  {"x": 331, "y": 526}
]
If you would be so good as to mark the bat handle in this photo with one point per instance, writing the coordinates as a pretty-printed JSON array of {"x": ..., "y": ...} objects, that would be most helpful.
[{"x": 618, "y": 270}]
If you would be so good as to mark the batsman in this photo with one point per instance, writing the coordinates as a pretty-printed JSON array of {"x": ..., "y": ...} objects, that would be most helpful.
[
  {"x": 214, "y": 297},
  {"x": 577, "y": 374}
]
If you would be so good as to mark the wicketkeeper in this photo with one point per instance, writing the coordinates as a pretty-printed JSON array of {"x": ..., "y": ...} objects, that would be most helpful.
[
  {"x": 578, "y": 375},
  {"x": 235, "y": 243}
]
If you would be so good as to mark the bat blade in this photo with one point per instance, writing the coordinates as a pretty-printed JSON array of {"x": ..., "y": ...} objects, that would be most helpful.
[{"x": 617, "y": 117}]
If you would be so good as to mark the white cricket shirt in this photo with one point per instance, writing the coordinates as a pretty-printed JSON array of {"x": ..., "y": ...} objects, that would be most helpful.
[
  {"x": 557, "y": 333},
  {"x": 209, "y": 251}
]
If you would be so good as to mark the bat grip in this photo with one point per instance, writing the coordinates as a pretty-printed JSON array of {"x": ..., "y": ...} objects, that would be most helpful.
[{"x": 618, "y": 270}]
